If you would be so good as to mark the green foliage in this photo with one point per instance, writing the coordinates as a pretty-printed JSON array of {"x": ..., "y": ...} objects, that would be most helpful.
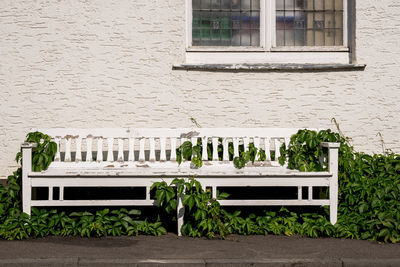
[
  {"x": 17, "y": 225},
  {"x": 369, "y": 198},
  {"x": 188, "y": 151},
  {"x": 44, "y": 153},
  {"x": 369, "y": 187}
]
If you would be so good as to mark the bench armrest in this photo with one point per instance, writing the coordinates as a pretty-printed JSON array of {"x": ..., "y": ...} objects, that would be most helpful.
[
  {"x": 28, "y": 145},
  {"x": 330, "y": 145}
]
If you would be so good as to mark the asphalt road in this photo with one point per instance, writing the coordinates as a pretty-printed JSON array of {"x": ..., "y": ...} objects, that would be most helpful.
[{"x": 170, "y": 250}]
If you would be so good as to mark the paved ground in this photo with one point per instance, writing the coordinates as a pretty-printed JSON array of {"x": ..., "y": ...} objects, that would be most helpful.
[{"x": 182, "y": 251}]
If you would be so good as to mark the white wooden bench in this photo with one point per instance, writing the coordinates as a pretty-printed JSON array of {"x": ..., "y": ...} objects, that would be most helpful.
[{"x": 122, "y": 157}]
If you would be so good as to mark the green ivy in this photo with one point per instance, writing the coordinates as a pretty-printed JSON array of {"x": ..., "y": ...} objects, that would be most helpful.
[
  {"x": 369, "y": 198},
  {"x": 188, "y": 151}
]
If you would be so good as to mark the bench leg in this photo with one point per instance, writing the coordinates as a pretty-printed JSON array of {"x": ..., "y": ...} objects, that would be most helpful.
[
  {"x": 26, "y": 182},
  {"x": 180, "y": 213},
  {"x": 333, "y": 185}
]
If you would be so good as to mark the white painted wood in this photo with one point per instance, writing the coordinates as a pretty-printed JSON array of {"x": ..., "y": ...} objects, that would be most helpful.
[
  {"x": 204, "y": 144},
  {"x": 61, "y": 192},
  {"x": 274, "y": 202},
  {"x": 173, "y": 149},
  {"x": 57, "y": 157},
  {"x": 89, "y": 144},
  {"x": 310, "y": 193},
  {"x": 163, "y": 155},
  {"x": 148, "y": 181},
  {"x": 277, "y": 144},
  {"x": 193, "y": 140},
  {"x": 120, "y": 156},
  {"x": 141, "y": 149},
  {"x": 26, "y": 181},
  {"x": 152, "y": 156},
  {"x": 50, "y": 193},
  {"x": 299, "y": 193},
  {"x": 131, "y": 155},
  {"x": 180, "y": 210},
  {"x": 99, "y": 157},
  {"x": 246, "y": 142},
  {"x": 215, "y": 149},
  {"x": 287, "y": 142},
  {"x": 214, "y": 192},
  {"x": 67, "y": 149},
  {"x": 212, "y": 175},
  {"x": 110, "y": 147},
  {"x": 267, "y": 149},
  {"x": 78, "y": 150},
  {"x": 74, "y": 203},
  {"x": 333, "y": 185},
  {"x": 235, "y": 147},
  {"x": 225, "y": 152},
  {"x": 256, "y": 141}
]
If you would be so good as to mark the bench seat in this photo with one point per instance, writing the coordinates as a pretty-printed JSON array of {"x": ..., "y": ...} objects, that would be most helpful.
[{"x": 170, "y": 169}]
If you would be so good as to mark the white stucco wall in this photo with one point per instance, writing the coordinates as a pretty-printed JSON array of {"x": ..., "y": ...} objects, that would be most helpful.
[{"x": 108, "y": 63}]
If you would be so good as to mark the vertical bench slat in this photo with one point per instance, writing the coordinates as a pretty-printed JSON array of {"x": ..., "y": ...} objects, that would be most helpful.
[
  {"x": 61, "y": 193},
  {"x": 267, "y": 149},
  {"x": 235, "y": 147},
  {"x": 50, "y": 193},
  {"x": 256, "y": 141},
  {"x": 99, "y": 156},
  {"x": 141, "y": 149},
  {"x": 120, "y": 156},
  {"x": 152, "y": 156},
  {"x": 78, "y": 151},
  {"x": 310, "y": 193},
  {"x": 110, "y": 152},
  {"x": 299, "y": 193},
  {"x": 246, "y": 142},
  {"x": 131, "y": 156},
  {"x": 215, "y": 148},
  {"x": 277, "y": 150},
  {"x": 225, "y": 154},
  {"x": 173, "y": 149},
  {"x": 163, "y": 154},
  {"x": 68, "y": 149},
  {"x": 89, "y": 143},
  {"x": 194, "y": 141},
  {"x": 204, "y": 143},
  {"x": 57, "y": 158}
]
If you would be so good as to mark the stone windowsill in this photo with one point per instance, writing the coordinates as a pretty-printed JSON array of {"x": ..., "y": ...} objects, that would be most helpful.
[{"x": 270, "y": 67}]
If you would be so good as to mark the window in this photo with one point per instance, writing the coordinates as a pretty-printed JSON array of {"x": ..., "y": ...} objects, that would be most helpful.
[{"x": 264, "y": 31}]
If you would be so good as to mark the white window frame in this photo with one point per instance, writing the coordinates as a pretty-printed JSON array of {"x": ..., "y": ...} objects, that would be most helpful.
[{"x": 267, "y": 52}]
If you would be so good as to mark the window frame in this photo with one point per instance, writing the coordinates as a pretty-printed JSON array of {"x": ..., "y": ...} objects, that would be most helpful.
[{"x": 267, "y": 52}]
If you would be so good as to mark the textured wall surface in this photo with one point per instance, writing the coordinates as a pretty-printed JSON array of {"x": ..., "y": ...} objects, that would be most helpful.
[{"x": 108, "y": 63}]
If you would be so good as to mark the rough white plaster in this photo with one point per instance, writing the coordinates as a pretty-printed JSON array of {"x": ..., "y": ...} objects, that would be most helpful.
[{"x": 108, "y": 63}]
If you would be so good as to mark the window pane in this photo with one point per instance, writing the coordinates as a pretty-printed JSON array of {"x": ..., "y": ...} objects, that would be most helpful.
[
  {"x": 226, "y": 23},
  {"x": 309, "y": 22}
]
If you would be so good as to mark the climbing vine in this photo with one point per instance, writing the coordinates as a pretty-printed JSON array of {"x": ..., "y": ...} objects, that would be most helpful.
[{"x": 369, "y": 198}]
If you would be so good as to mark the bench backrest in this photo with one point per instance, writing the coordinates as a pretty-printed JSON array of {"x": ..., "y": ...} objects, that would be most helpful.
[{"x": 159, "y": 144}]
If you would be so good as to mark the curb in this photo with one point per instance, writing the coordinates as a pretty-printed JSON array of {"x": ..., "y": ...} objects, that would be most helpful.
[{"x": 198, "y": 262}]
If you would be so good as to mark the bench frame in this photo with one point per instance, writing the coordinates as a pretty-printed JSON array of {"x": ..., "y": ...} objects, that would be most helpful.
[{"x": 245, "y": 178}]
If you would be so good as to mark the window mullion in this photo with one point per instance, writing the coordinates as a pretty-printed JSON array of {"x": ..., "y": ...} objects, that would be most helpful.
[
  {"x": 345, "y": 21},
  {"x": 189, "y": 21},
  {"x": 268, "y": 8}
]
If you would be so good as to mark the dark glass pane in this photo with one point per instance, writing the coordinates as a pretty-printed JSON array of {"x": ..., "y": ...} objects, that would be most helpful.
[
  {"x": 226, "y": 22},
  {"x": 215, "y": 4},
  {"x": 196, "y": 4},
  {"x": 309, "y": 22}
]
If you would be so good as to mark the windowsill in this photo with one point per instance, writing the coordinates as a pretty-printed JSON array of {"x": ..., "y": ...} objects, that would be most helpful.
[
  {"x": 262, "y": 49},
  {"x": 270, "y": 67}
]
